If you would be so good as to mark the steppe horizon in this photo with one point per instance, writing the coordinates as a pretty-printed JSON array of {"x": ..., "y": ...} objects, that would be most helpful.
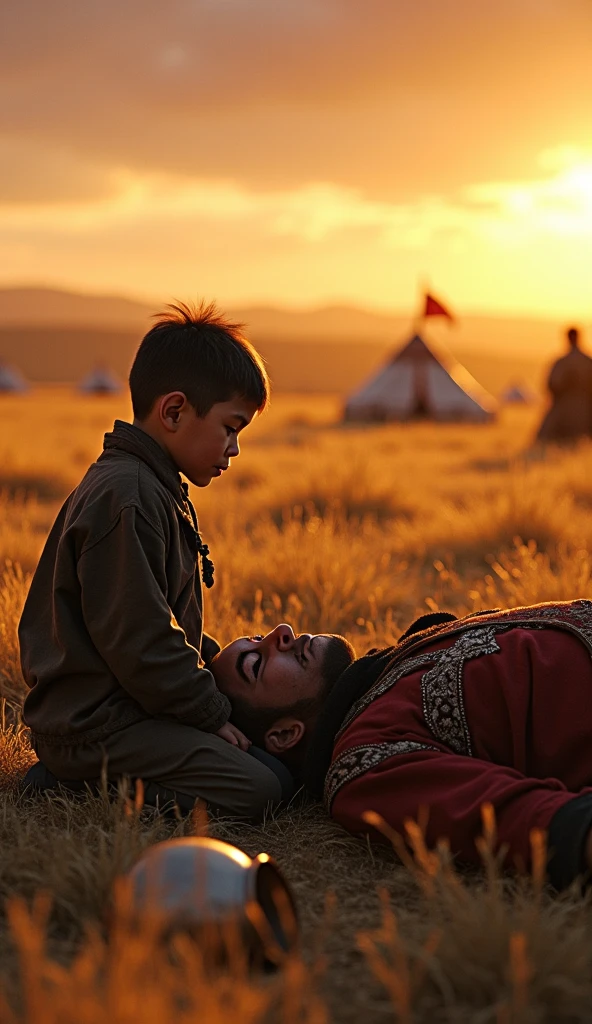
[
  {"x": 55, "y": 336},
  {"x": 149, "y": 303}
]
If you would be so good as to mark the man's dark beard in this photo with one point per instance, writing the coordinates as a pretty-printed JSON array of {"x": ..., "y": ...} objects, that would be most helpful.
[{"x": 255, "y": 722}]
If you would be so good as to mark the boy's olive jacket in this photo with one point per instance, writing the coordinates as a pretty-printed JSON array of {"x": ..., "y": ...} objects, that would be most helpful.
[{"x": 111, "y": 632}]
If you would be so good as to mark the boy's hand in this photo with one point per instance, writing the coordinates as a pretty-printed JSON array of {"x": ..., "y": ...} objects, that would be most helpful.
[{"x": 231, "y": 734}]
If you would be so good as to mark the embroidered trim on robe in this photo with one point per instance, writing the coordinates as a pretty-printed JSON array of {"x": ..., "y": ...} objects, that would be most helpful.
[
  {"x": 573, "y": 616},
  {"x": 442, "y": 692},
  {"x": 441, "y": 685},
  {"x": 359, "y": 760}
]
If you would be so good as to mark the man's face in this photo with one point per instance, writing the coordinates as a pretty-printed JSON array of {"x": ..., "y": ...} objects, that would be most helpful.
[
  {"x": 272, "y": 671},
  {"x": 202, "y": 446}
]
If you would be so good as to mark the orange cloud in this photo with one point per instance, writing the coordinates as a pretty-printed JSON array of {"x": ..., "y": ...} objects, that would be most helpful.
[
  {"x": 298, "y": 150},
  {"x": 393, "y": 99},
  {"x": 506, "y": 245}
]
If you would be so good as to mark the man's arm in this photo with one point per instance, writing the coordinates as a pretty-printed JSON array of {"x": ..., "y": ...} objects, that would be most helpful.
[
  {"x": 453, "y": 788},
  {"x": 124, "y": 604}
]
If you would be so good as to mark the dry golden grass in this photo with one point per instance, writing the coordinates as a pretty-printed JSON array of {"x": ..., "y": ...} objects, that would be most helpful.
[{"x": 351, "y": 530}]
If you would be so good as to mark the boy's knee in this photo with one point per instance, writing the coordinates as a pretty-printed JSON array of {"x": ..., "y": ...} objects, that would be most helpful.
[
  {"x": 250, "y": 792},
  {"x": 262, "y": 792}
]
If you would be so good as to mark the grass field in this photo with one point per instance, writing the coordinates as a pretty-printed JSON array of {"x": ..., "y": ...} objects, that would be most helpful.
[{"x": 352, "y": 531}]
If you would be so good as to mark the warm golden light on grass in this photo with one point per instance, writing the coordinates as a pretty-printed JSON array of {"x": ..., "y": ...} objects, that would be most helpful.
[{"x": 350, "y": 530}]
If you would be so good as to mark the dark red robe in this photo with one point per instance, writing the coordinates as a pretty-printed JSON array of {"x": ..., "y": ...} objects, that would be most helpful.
[{"x": 493, "y": 709}]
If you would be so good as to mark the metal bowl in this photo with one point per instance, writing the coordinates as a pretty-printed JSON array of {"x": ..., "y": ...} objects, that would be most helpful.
[{"x": 218, "y": 895}]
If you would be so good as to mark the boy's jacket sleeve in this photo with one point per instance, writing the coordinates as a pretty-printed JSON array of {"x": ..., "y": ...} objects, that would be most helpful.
[{"x": 124, "y": 603}]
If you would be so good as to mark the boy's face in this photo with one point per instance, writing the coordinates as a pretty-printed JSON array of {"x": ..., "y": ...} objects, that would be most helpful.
[{"x": 202, "y": 446}]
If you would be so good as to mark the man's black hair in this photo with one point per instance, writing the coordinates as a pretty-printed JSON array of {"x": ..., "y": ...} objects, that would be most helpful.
[
  {"x": 200, "y": 352},
  {"x": 255, "y": 722},
  {"x": 573, "y": 336}
]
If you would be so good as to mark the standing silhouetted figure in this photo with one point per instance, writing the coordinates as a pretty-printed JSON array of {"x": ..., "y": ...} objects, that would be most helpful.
[{"x": 570, "y": 385}]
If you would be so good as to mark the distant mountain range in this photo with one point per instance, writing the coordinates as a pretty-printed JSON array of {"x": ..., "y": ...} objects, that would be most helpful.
[
  {"x": 48, "y": 307},
  {"x": 54, "y": 335}
]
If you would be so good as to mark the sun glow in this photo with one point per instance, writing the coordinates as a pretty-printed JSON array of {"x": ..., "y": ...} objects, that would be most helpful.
[
  {"x": 513, "y": 245},
  {"x": 560, "y": 204}
]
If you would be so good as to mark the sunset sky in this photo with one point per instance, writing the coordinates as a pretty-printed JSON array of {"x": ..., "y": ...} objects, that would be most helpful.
[{"x": 299, "y": 152}]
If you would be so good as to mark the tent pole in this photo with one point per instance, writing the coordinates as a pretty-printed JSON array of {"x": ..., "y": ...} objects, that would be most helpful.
[{"x": 418, "y": 320}]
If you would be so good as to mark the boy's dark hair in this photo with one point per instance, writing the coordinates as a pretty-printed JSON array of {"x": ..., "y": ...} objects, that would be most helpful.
[
  {"x": 196, "y": 350},
  {"x": 255, "y": 722}
]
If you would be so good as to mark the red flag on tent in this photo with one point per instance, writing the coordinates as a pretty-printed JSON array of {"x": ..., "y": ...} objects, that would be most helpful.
[{"x": 435, "y": 308}]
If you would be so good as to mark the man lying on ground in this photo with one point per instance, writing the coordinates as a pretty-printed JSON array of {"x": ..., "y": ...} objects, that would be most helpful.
[{"x": 493, "y": 708}]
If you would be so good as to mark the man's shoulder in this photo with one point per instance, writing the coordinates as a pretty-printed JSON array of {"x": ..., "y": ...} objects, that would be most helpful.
[
  {"x": 567, "y": 357},
  {"x": 116, "y": 481},
  {"x": 575, "y": 358},
  {"x": 583, "y": 359},
  {"x": 573, "y": 616}
]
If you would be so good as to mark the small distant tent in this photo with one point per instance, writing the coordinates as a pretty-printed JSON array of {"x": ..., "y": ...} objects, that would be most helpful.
[
  {"x": 518, "y": 394},
  {"x": 419, "y": 383},
  {"x": 11, "y": 380},
  {"x": 100, "y": 381}
]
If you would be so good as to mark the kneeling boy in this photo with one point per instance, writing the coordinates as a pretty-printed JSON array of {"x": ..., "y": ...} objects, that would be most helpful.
[{"x": 111, "y": 636}]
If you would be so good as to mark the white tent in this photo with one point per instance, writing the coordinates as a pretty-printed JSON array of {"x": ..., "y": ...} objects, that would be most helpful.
[
  {"x": 416, "y": 382},
  {"x": 11, "y": 379},
  {"x": 100, "y": 381},
  {"x": 518, "y": 394}
]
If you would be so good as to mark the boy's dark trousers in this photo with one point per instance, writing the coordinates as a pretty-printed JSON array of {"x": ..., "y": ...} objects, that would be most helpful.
[{"x": 184, "y": 759}]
